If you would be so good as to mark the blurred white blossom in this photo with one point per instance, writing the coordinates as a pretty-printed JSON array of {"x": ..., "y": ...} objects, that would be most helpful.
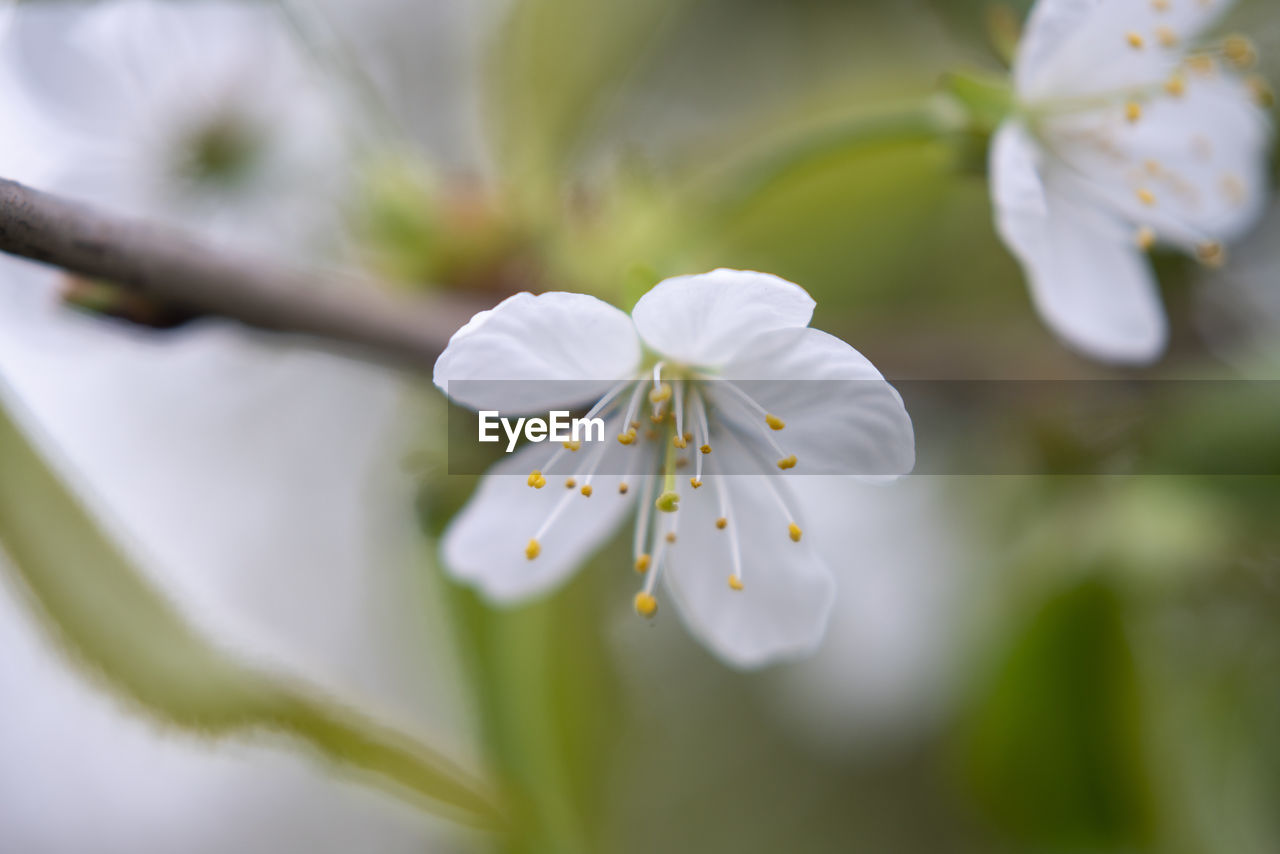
[
  {"x": 256, "y": 486},
  {"x": 1129, "y": 131}
]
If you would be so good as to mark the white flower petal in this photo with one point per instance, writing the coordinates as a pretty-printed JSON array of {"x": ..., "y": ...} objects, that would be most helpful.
[
  {"x": 1088, "y": 279},
  {"x": 704, "y": 319},
  {"x": 1078, "y": 47},
  {"x": 554, "y": 350},
  {"x": 485, "y": 543},
  {"x": 1200, "y": 156},
  {"x": 841, "y": 416},
  {"x": 781, "y": 612}
]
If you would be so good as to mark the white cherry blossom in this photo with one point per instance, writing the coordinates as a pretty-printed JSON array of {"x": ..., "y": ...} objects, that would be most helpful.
[
  {"x": 1130, "y": 130},
  {"x": 701, "y": 455}
]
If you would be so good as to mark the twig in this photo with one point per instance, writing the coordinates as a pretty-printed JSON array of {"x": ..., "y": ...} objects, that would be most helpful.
[{"x": 177, "y": 270}]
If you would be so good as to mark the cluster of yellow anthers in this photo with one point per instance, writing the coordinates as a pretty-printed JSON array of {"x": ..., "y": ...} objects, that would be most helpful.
[
  {"x": 678, "y": 420},
  {"x": 1236, "y": 52}
]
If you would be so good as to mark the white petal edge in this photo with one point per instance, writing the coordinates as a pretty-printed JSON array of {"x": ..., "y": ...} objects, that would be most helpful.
[
  {"x": 536, "y": 353},
  {"x": 1089, "y": 281},
  {"x": 704, "y": 319},
  {"x": 842, "y": 417}
]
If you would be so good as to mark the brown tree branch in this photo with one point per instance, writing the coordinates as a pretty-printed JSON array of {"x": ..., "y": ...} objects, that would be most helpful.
[{"x": 177, "y": 270}]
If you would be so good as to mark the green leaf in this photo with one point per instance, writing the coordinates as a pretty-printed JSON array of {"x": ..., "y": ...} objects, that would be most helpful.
[
  {"x": 116, "y": 625},
  {"x": 1054, "y": 750}
]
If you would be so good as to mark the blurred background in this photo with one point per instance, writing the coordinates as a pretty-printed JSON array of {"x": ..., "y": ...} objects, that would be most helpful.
[{"x": 1060, "y": 662}]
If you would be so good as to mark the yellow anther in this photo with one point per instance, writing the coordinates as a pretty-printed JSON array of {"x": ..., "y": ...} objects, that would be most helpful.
[
  {"x": 532, "y": 550},
  {"x": 570, "y": 483},
  {"x": 1261, "y": 90},
  {"x": 651, "y": 434},
  {"x": 671, "y": 536},
  {"x": 1147, "y": 197},
  {"x": 646, "y": 605},
  {"x": 1135, "y": 41},
  {"x": 1153, "y": 167},
  {"x": 573, "y": 445},
  {"x": 706, "y": 449},
  {"x": 1234, "y": 189},
  {"x": 1201, "y": 63},
  {"x": 787, "y": 462},
  {"x": 1166, "y": 36},
  {"x": 660, "y": 394},
  {"x": 1211, "y": 254},
  {"x": 721, "y": 523},
  {"x": 735, "y": 583},
  {"x": 642, "y": 564},
  {"x": 1132, "y": 111},
  {"x": 774, "y": 422},
  {"x": 1240, "y": 52},
  {"x": 1175, "y": 86},
  {"x": 536, "y": 480},
  {"x": 694, "y": 482},
  {"x": 622, "y": 489},
  {"x": 586, "y": 490},
  {"x": 658, "y": 417},
  {"x": 1146, "y": 238},
  {"x": 628, "y": 437},
  {"x": 1160, "y": 5},
  {"x": 794, "y": 530},
  {"x": 679, "y": 442},
  {"x": 668, "y": 502}
]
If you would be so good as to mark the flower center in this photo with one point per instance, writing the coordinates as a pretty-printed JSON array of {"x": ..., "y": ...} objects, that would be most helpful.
[{"x": 673, "y": 434}]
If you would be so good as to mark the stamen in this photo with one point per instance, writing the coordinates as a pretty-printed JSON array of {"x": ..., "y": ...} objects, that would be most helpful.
[
  {"x": 1201, "y": 63},
  {"x": 1146, "y": 238},
  {"x": 735, "y": 556},
  {"x": 536, "y": 480},
  {"x": 646, "y": 605},
  {"x": 1135, "y": 41},
  {"x": 642, "y": 521},
  {"x": 788, "y": 462},
  {"x": 642, "y": 564},
  {"x": 1261, "y": 91},
  {"x": 586, "y": 490},
  {"x": 570, "y": 483},
  {"x": 1166, "y": 36},
  {"x": 1147, "y": 197},
  {"x": 695, "y": 483},
  {"x": 751, "y": 404},
  {"x": 1176, "y": 86},
  {"x": 622, "y": 488},
  {"x": 1160, "y": 5},
  {"x": 703, "y": 432},
  {"x": 659, "y": 552},
  {"x": 1132, "y": 112},
  {"x": 1240, "y": 51},
  {"x": 629, "y": 420},
  {"x": 533, "y": 549},
  {"x": 573, "y": 445},
  {"x": 679, "y": 439},
  {"x": 774, "y": 422},
  {"x": 1211, "y": 254},
  {"x": 792, "y": 528}
]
